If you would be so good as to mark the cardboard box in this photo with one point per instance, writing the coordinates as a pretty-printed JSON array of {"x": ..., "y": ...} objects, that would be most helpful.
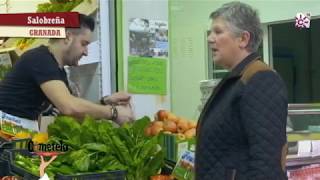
[
  {"x": 44, "y": 122},
  {"x": 184, "y": 169}
]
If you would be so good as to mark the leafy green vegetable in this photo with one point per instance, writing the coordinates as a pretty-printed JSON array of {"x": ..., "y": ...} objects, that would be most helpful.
[
  {"x": 88, "y": 130},
  {"x": 67, "y": 129},
  {"x": 58, "y": 6},
  {"x": 63, "y": 169},
  {"x": 82, "y": 164},
  {"x": 139, "y": 126},
  {"x": 98, "y": 146}
]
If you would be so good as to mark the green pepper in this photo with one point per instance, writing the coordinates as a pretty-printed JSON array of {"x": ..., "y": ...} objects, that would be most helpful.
[
  {"x": 56, "y": 163},
  {"x": 19, "y": 157},
  {"x": 20, "y": 163},
  {"x": 50, "y": 174},
  {"x": 52, "y": 169},
  {"x": 34, "y": 170},
  {"x": 27, "y": 161}
]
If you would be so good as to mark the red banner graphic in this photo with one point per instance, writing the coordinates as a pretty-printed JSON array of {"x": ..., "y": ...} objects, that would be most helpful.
[{"x": 57, "y": 19}]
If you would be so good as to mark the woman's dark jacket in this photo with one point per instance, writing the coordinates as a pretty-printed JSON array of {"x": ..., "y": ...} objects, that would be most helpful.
[{"x": 242, "y": 128}]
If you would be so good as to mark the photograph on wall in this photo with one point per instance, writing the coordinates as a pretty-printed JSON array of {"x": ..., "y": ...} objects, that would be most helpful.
[{"x": 148, "y": 38}]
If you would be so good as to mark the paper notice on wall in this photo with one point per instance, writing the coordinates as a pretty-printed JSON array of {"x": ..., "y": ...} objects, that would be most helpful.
[
  {"x": 147, "y": 75},
  {"x": 148, "y": 38}
]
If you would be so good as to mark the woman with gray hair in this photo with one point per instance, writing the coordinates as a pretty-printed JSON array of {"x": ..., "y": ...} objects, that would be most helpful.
[{"x": 242, "y": 128}]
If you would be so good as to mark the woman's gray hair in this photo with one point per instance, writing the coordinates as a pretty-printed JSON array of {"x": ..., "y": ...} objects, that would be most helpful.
[{"x": 241, "y": 17}]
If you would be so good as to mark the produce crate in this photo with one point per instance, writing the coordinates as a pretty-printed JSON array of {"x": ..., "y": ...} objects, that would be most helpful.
[
  {"x": 110, "y": 175},
  {"x": 4, "y": 168},
  {"x": 184, "y": 169},
  {"x": 168, "y": 167},
  {"x": 173, "y": 146},
  {"x": 12, "y": 144}
]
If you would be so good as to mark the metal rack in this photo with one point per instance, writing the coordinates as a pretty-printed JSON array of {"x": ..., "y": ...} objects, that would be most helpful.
[{"x": 304, "y": 109}]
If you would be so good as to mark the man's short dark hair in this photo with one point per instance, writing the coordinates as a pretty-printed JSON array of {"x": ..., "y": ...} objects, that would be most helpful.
[{"x": 86, "y": 22}]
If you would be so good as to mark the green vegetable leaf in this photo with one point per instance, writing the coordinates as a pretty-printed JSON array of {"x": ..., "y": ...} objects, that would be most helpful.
[
  {"x": 154, "y": 164},
  {"x": 125, "y": 134},
  {"x": 121, "y": 149},
  {"x": 88, "y": 130},
  {"x": 139, "y": 126},
  {"x": 65, "y": 128},
  {"x": 146, "y": 151},
  {"x": 82, "y": 164},
  {"x": 96, "y": 147},
  {"x": 104, "y": 128},
  {"x": 80, "y": 160}
]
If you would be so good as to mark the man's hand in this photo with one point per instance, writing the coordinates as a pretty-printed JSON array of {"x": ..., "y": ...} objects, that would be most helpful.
[
  {"x": 119, "y": 98},
  {"x": 125, "y": 114}
]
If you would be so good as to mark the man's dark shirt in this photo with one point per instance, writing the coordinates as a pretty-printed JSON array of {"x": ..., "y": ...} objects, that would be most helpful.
[{"x": 20, "y": 92}]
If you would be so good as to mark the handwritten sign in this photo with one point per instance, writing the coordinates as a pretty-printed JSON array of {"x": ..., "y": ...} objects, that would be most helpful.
[{"x": 147, "y": 75}]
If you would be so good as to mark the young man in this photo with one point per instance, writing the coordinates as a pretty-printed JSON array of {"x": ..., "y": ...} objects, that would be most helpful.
[{"x": 39, "y": 79}]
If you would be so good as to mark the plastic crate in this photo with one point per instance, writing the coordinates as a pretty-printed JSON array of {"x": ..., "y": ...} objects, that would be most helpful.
[
  {"x": 168, "y": 167},
  {"x": 13, "y": 144},
  {"x": 110, "y": 175},
  {"x": 4, "y": 168}
]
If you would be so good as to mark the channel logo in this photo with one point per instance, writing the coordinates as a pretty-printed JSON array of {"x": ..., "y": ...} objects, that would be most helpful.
[{"x": 303, "y": 20}]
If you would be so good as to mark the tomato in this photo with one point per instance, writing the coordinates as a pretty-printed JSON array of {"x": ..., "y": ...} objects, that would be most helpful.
[{"x": 161, "y": 177}]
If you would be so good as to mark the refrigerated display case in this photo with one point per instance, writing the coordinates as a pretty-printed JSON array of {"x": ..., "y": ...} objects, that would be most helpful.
[{"x": 303, "y": 127}]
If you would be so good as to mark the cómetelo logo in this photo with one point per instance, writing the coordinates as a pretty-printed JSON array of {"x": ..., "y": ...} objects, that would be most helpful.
[{"x": 47, "y": 148}]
